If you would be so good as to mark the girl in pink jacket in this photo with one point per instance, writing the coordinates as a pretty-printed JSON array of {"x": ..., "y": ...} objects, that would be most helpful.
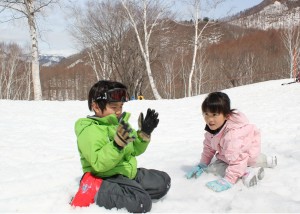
[{"x": 234, "y": 142}]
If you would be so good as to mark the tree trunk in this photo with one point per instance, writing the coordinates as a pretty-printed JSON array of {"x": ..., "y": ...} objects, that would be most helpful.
[
  {"x": 37, "y": 90},
  {"x": 145, "y": 44}
]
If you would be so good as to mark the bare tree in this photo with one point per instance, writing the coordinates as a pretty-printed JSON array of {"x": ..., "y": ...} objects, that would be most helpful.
[
  {"x": 109, "y": 40},
  {"x": 291, "y": 40},
  {"x": 249, "y": 65},
  {"x": 28, "y": 9},
  {"x": 14, "y": 81},
  {"x": 98, "y": 60},
  {"x": 198, "y": 33},
  {"x": 95, "y": 28},
  {"x": 169, "y": 75},
  {"x": 200, "y": 67},
  {"x": 197, "y": 7},
  {"x": 144, "y": 16}
]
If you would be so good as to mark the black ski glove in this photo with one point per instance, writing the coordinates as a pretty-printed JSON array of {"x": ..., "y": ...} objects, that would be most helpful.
[
  {"x": 122, "y": 137},
  {"x": 148, "y": 124}
]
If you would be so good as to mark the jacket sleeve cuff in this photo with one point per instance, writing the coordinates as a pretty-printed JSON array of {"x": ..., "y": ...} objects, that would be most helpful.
[
  {"x": 144, "y": 136},
  {"x": 118, "y": 147}
]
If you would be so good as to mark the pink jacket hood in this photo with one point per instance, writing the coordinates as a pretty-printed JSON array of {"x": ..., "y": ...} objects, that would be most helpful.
[{"x": 237, "y": 120}]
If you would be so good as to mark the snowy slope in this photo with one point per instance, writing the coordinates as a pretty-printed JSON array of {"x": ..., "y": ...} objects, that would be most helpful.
[{"x": 40, "y": 167}]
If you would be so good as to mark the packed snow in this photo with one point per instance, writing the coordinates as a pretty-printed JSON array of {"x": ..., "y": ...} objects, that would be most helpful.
[{"x": 40, "y": 168}]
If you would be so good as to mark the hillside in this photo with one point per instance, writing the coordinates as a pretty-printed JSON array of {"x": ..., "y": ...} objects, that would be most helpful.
[
  {"x": 269, "y": 14},
  {"x": 245, "y": 49},
  {"x": 50, "y": 60}
]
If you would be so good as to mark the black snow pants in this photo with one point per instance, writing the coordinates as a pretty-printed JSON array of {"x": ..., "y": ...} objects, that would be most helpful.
[{"x": 133, "y": 194}]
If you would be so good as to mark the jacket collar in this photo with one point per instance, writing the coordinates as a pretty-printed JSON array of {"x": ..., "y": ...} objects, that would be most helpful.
[
  {"x": 214, "y": 132},
  {"x": 110, "y": 119}
]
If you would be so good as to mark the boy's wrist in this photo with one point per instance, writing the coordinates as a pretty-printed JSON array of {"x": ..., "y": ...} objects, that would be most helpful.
[
  {"x": 144, "y": 136},
  {"x": 116, "y": 145}
]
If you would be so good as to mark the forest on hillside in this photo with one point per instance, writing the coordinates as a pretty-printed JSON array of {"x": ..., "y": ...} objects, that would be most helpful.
[{"x": 226, "y": 56}]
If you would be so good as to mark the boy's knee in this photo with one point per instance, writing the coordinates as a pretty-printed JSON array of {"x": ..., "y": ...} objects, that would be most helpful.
[
  {"x": 167, "y": 183},
  {"x": 112, "y": 196},
  {"x": 163, "y": 186}
]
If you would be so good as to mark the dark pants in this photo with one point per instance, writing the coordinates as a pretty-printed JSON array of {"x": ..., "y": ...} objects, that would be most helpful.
[{"x": 135, "y": 195}]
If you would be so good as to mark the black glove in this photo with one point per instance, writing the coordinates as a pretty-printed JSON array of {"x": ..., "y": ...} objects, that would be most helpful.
[
  {"x": 150, "y": 122},
  {"x": 122, "y": 137}
]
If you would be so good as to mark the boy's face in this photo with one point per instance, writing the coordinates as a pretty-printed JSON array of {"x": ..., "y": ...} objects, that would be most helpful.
[
  {"x": 214, "y": 120},
  {"x": 111, "y": 108}
]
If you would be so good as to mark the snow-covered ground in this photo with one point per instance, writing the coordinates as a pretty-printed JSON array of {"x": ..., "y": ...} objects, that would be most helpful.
[{"x": 40, "y": 167}]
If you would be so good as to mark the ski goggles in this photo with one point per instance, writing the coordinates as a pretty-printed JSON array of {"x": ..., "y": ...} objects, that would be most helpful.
[{"x": 115, "y": 95}]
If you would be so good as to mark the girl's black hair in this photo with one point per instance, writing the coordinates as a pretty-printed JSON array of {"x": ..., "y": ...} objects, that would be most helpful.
[
  {"x": 98, "y": 89},
  {"x": 217, "y": 102}
]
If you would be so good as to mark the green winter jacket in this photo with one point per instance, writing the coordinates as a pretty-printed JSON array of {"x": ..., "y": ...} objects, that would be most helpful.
[{"x": 99, "y": 155}]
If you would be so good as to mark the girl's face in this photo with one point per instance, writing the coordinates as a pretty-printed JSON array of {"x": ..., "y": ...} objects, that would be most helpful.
[
  {"x": 214, "y": 120},
  {"x": 111, "y": 108}
]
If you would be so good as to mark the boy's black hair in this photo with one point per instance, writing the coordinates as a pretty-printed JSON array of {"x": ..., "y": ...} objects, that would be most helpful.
[
  {"x": 98, "y": 89},
  {"x": 217, "y": 102}
]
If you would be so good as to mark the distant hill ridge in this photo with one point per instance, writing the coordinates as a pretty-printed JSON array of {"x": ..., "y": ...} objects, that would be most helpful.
[
  {"x": 49, "y": 59},
  {"x": 266, "y": 15},
  {"x": 269, "y": 14}
]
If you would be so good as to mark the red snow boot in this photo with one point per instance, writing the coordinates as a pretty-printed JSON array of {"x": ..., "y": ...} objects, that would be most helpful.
[{"x": 89, "y": 186}]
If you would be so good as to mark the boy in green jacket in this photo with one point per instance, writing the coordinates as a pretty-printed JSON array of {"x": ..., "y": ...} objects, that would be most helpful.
[{"x": 108, "y": 147}]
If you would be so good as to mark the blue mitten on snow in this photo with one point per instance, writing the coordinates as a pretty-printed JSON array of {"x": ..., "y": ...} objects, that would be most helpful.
[
  {"x": 219, "y": 185},
  {"x": 196, "y": 171}
]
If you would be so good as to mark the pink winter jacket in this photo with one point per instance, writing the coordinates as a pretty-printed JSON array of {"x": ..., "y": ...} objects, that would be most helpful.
[{"x": 237, "y": 144}]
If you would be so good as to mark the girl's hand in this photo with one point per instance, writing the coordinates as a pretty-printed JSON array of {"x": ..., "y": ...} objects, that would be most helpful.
[
  {"x": 219, "y": 185},
  {"x": 196, "y": 171}
]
